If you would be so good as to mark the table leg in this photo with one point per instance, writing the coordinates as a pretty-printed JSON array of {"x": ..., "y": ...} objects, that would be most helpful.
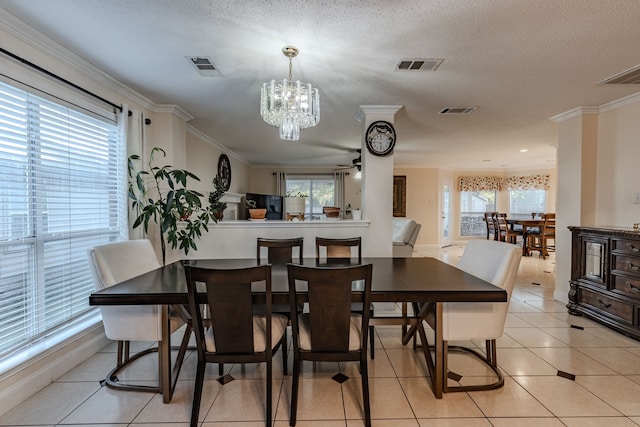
[
  {"x": 440, "y": 374},
  {"x": 437, "y": 369},
  {"x": 164, "y": 353}
]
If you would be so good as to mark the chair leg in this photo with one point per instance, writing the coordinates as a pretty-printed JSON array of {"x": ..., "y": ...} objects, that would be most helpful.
[
  {"x": 197, "y": 393},
  {"x": 365, "y": 391},
  {"x": 294, "y": 390},
  {"x": 284, "y": 343},
  {"x": 269, "y": 402},
  {"x": 372, "y": 340}
]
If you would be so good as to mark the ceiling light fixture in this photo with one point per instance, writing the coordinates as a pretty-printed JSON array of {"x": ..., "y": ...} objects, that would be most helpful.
[{"x": 290, "y": 105}]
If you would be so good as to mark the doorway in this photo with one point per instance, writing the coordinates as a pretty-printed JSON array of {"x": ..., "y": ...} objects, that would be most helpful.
[{"x": 445, "y": 210}]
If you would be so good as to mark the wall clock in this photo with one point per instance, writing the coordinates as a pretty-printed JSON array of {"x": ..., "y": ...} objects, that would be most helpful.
[
  {"x": 224, "y": 171},
  {"x": 380, "y": 138}
]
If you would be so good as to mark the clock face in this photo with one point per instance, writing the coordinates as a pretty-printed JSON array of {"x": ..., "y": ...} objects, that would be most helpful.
[
  {"x": 224, "y": 171},
  {"x": 380, "y": 138}
]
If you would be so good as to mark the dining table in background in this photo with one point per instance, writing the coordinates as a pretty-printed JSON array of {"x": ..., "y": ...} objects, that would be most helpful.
[{"x": 420, "y": 280}]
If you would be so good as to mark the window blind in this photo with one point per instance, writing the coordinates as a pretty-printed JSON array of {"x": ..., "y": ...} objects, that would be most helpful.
[{"x": 61, "y": 186}]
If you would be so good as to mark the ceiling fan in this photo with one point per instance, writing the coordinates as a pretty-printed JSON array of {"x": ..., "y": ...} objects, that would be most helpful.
[{"x": 355, "y": 163}]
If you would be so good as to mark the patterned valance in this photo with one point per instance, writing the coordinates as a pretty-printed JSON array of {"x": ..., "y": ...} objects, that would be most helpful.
[
  {"x": 531, "y": 182},
  {"x": 479, "y": 183}
]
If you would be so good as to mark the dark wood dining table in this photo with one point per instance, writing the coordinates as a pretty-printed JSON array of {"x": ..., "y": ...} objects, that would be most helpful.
[{"x": 420, "y": 280}]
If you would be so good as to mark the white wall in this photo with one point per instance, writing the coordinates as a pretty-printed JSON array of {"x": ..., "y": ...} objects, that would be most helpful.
[{"x": 618, "y": 172}]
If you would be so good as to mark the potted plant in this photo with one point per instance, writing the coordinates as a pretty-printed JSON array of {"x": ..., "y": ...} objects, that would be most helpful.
[
  {"x": 295, "y": 202},
  {"x": 217, "y": 206},
  {"x": 255, "y": 213},
  {"x": 160, "y": 194}
]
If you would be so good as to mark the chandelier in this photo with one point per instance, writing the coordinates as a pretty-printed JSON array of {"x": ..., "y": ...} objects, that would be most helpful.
[{"x": 290, "y": 105}]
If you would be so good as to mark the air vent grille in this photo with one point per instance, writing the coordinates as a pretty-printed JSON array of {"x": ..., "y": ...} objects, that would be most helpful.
[
  {"x": 458, "y": 110},
  {"x": 204, "y": 66},
  {"x": 629, "y": 77},
  {"x": 418, "y": 64}
]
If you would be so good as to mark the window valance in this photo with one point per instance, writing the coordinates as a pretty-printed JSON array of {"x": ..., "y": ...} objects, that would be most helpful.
[
  {"x": 497, "y": 183},
  {"x": 531, "y": 182},
  {"x": 479, "y": 183}
]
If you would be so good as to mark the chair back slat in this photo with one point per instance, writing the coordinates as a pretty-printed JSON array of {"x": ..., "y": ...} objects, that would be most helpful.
[
  {"x": 280, "y": 251},
  {"x": 330, "y": 314},
  {"x": 231, "y": 313},
  {"x": 338, "y": 250}
]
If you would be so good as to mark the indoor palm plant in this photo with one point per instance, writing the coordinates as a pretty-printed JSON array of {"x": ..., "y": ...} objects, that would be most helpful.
[{"x": 160, "y": 194}]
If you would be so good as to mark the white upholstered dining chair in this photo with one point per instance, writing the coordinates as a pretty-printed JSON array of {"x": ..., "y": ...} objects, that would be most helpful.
[
  {"x": 495, "y": 262},
  {"x": 113, "y": 263}
]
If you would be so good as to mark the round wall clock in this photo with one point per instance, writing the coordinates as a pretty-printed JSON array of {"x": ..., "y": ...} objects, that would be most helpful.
[
  {"x": 380, "y": 138},
  {"x": 224, "y": 171}
]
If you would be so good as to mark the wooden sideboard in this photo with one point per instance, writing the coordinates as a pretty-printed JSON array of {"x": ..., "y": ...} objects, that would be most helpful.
[{"x": 605, "y": 277}]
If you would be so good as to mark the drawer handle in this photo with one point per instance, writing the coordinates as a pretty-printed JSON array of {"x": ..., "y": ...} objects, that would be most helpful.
[
  {"x": 632, "y": 288},
  {"x": 602, "y": 304},
  {"x": 632, "y": 248},
  {"x": 632, "y": 267}
]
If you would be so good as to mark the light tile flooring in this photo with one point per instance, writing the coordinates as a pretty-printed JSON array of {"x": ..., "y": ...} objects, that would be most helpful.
[{"x": 538, "y": 342}]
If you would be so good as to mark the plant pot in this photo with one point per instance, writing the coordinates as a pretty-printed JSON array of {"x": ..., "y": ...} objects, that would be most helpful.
[
  {"x": 331, "y": 211},
  {"x": 295, "y": 205},
  {"x": 257, "y": 213}
]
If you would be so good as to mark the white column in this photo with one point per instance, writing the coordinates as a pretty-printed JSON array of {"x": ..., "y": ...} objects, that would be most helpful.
[{"x": 377, "y": 184}]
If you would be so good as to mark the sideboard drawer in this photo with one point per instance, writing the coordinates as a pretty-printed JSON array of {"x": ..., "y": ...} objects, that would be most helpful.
[
  {"x": 603, "y": 303},
  {"x": 629, "y": 246},
  {"x": 627, "y": 264},
  {"x": 626, "y": 285}
]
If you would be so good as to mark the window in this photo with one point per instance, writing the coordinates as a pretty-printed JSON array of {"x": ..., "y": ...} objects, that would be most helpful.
[
  {"x": 523, "y": 203},
  {"x": 320, "y": 188},
  {"x": 61, "y": 192},
  {"x": 473, "y": 205}
]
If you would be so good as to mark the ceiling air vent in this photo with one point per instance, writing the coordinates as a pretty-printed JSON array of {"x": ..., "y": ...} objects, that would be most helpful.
[
  {"x": 629, "y": 77},
  {"x": 458, "y": 110},
  {"x": 418, "y": 64},
  {"x": 204, "y": 66}
]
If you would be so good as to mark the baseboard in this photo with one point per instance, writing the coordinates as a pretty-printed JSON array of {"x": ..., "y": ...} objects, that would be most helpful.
[{"x": 29, "y": 378}]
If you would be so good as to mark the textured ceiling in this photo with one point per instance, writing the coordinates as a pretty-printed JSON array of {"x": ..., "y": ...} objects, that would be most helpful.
[{"x": 520, "y": 62}]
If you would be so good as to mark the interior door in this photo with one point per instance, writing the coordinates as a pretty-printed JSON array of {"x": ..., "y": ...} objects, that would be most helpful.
[{"x": 445, "y": 209}]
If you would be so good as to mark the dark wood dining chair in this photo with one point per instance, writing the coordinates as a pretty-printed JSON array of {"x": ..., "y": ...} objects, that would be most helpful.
[
  {"x": 233, "y": 334},
  {"x": 341, "y": 251},
  {"x": 330, "y": 331},
  {"x": 278, "y": 253}
]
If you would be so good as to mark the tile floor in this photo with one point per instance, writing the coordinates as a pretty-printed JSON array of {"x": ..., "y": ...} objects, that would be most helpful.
[{"x": 538, "y": 342}]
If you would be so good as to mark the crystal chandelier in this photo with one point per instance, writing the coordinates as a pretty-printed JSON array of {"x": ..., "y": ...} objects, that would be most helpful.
[{"x": 290, "y": 105}]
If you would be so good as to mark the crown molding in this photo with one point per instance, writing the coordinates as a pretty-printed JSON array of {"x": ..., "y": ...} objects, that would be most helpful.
[
  {"x": 47, "y": 47},
  {"x": 195, "y": 132},
  {"x": 377, "y": 109},
  {"x": 618, "y": 103},
  {"x": 573, "y": 113},
  {"x": 176, "y": 110},
  {"x": 580, "y": 111}
]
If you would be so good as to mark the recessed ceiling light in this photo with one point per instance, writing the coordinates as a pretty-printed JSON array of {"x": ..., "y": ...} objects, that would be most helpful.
[{"x": 524, "y": 150}]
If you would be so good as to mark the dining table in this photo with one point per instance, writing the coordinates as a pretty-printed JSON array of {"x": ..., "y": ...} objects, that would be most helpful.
[{"x": 419, "y": 280}]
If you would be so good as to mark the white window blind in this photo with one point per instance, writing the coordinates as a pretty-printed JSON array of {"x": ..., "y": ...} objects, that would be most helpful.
[{"x": 61, "y": 187}]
